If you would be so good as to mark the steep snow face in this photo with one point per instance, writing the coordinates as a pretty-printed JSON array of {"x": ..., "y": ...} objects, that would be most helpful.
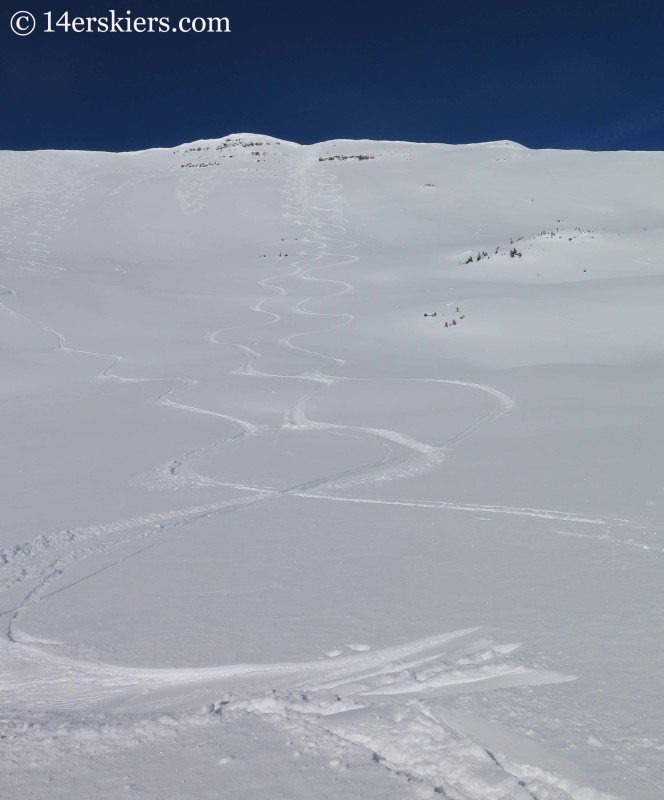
[{"x": 332, "y": 470}]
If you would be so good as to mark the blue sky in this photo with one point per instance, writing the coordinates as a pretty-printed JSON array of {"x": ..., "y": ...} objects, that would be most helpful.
[{"x": 566, "y": 74}]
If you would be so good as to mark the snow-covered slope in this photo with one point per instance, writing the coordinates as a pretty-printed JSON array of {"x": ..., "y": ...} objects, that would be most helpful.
[{"x": 332, "y": 471}]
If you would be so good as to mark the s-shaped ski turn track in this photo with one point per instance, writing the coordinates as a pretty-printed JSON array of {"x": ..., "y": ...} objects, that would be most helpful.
[
  {"x": 377, "y": 701},
  {"x": 45, "y": 558}
]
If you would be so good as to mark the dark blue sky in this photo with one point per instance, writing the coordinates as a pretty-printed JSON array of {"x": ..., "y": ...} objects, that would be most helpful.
[{"x": 562, "y": 74}]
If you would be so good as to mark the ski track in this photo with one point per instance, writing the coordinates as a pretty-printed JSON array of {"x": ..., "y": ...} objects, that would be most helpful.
[
  {"x": 336, "y": 700},
  {"x": 23, "y": 561},
  {"x": 367, "y": 702}
]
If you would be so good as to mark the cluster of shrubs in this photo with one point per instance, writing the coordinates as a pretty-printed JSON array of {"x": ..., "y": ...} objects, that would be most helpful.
[
  {"x": 191, "y": 164},
  {"x": 242, "y": 143},
  {"x": 515, "y": 253},
  {"x": 345, "y": 158},
  {"x": 226, "y": 144},
  {"x": 447, "y": 324},
  {"x": 223, "y": 146},
  {"x": 479, "y": 257},
  {"x": 552, "y": 234}
]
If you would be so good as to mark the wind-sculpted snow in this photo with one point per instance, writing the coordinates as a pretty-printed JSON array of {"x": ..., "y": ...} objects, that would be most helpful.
[{"x": 298, "y": 448}]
